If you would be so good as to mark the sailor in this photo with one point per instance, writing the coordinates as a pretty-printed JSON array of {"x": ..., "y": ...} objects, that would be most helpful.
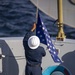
[{"x": 33, "y": 52}]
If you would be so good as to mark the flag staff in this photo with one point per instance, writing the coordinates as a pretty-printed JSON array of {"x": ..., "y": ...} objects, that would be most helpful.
[
  {"x": 61, "y": 35},
  {"x": 37, "y": 12}
]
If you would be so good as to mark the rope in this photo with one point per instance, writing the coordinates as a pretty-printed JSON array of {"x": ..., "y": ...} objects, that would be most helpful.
[
  {"x": 14, "y": 56},
  {"x": 11, "y": 56}
]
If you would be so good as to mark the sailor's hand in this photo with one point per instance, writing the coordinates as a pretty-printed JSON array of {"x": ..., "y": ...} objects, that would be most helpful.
[{"x": 34, "y": 27}]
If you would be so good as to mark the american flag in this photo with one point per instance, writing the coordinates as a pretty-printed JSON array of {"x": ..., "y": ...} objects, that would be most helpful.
[{"x": 42, "y": 33}]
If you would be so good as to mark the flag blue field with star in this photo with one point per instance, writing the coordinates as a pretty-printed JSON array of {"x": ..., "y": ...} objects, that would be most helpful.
[{"x": 42, "y": 33}]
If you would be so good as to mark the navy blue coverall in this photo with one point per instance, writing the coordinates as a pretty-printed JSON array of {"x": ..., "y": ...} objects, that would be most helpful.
[{"x": 33, "y": 57}]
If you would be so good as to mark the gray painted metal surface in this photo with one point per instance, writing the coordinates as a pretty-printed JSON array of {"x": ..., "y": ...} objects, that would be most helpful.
[
  {"x": 50, "y": 8},
  {"x": 14, "y": 61}
]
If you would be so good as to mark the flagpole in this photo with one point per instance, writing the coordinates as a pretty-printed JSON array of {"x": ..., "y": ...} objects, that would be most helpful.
[
  {"x": 61, "y": 35},
  {"x": 37, "y": 12}
]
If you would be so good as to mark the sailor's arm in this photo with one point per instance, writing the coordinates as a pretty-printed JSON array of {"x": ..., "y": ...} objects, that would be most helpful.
[{"x": 34, "y": 27}]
